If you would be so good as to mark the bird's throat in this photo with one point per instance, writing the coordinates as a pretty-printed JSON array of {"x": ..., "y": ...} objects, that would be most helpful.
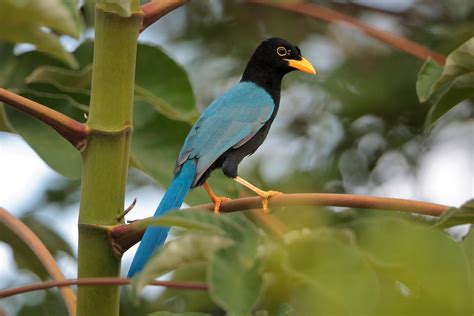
[{"x": 268, "y": 79}]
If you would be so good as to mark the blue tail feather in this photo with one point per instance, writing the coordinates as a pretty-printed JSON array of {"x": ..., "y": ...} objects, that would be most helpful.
[{"x": 155, "y": 236}]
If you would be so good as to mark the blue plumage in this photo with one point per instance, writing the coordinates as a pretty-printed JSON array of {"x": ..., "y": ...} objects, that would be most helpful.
[
  {"x": 227, "y": 122},
  {"x": 155, "y": 236}
]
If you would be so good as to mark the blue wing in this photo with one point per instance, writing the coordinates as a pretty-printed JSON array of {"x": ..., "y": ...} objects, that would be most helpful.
[{"x": 229, "y": 121}]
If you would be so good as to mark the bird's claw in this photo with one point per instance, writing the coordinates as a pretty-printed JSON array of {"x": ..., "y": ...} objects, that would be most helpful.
[
  {"x": 265, "y": 196},
  {"x": 218, "y": 200}
]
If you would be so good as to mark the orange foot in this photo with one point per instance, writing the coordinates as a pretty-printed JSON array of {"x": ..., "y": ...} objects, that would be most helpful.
[{"x": 217, "y": 200}]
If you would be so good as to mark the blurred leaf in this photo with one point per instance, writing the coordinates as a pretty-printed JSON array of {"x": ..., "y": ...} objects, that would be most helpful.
[
  {"x": 4, "y": 124},
  {"x": 123, "y": 8},
  {"x": 61, "y": 16},
  {"x": 51, "y": 305},
  {"x": 44, "y": 42},
  {"x": 164, "y": 84},
  {"x": 235, "y": 280},
  {"x": 458, "y": 90},
  {"x": 178, "y": 314},
  {"x": 416, "y": 265},
  {"x": 24, "y": 257},
  {"x": 331, "y": 275},
  {"x": 457, "y": 216},
  {"x": 65, "y": 80},
  {"x": 455, "y": 83},
  {"x": 52, "y": 148},
  {"x": 235, "y": 226},
  {"x": 233, "y": 269},
  {"x": 467, "y": 245},
  {"x": 179, "y": 301},
  {"x": 429, "y": 73},
  {"x": 192, "y": 247},
  {"x": 58, "y": 153},
  {"x": 24, "y": 22}
]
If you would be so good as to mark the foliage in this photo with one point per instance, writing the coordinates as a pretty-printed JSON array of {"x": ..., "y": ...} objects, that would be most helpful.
[
  {"x": 366, "y": 266},
  {"x": 443, "y": 88},
  {"x": 334, "y": 134},
  {"x": 25, "y": 22}
]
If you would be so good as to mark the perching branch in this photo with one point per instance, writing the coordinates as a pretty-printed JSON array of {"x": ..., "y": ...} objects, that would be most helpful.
[
  {"x": 193, "y": 286},
  {"x": 330, "y": 15},
  {"x": 40, "y": 250},
  {"x": 125, "y": 236},
  {"x": 155, "y": 9},
  {"x": 72, "y": 130}
]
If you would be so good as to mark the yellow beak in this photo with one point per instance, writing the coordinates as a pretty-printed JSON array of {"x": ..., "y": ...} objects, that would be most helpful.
[{"x": 303, "y": 65}]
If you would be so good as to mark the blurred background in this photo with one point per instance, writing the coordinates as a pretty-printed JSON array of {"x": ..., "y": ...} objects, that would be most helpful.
[{"x": 356, "y": 127}]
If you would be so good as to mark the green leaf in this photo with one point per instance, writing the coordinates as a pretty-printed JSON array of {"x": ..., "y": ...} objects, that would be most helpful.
[
  {"x": 178, "y": 314},
  {"x": 455, "y": 83},
  {"x": 421, "y": 270},
  {"x": 235, "y": 280},
  {"x": 177, "y": 300},
  {"x": 164, "y": 84},
  {"x": 467, "y": 245},
  {"x": 331, "y": 275},
  {"x": 24, "y": 257},
  {"x": 458, "y": 90},
  {"x": 235, "y": 226},
  {"x": 4, "y": 124},
  {"x": 65, "y": 80},
  {"x": 123, "y": 8},
  {"x": 457, "y": 216},
  {"x": 190, "y": 248},
  {"x": 58, "y": 153},
  {"x": 24, "y": 22},
  {"x": 232, "y": 268},
  {"x": 61, "y": 16},
  {"x": 429, "y": 73}
]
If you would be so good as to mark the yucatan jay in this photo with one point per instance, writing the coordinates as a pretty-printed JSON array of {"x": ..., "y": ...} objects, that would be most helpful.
[{"x": 232, "y": 127}]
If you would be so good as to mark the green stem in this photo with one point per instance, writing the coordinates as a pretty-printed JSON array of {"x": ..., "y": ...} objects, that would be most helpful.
[{"x": 106, "y": 157}]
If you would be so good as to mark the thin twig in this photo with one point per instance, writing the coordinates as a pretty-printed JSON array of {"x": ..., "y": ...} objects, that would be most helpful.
[
  {"x": 156, "y": 9},
  {"x": 127, "y": 210},
  {"x": 194, "y": 286},
  {"x": 125, "y": 236},
  {"x": 40, "y": 250},
  {"x": 72, "y": 130},
  {"x": 329, "y": 15}
]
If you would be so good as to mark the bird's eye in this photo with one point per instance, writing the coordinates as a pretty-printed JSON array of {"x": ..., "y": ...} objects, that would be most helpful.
[{"x": 281, "y": 51}]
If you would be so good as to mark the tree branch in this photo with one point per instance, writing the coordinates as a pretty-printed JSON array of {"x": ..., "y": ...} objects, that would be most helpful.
[
  {"x": 194, "y": 286},
  {"x": 330, "y": 15},
  {"x": 72, "y": 130},
  {"x": 155, "y": 9},
  {"x": 40, "y": 250},
  {"x": 125, "y": 236}
]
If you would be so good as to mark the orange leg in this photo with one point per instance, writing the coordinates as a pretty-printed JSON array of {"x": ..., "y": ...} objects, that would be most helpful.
[
  {"x": 264, "y": 195},
  {"x": 217, "y": 200}
]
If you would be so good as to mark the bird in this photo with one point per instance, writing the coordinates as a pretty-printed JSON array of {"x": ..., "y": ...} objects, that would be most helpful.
[{"x": 231, "y": 128}]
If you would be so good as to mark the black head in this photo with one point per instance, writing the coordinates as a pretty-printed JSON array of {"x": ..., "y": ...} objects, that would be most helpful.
[{"x": 279, "y": 56}]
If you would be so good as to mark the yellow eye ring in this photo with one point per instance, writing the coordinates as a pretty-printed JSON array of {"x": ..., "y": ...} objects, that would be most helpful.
[{"x": 281, "y": 51}]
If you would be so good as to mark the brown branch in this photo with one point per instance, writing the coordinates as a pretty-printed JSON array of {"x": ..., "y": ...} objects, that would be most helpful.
[
  {"x": 72, "y": 130},
  {"x": 194, "y": 286},
  {"x": 330, "y": 15},
  {"x": 156, "y": 9},
  {"x": 40, "y": 250},
  {"x": 125, "y": 236}
]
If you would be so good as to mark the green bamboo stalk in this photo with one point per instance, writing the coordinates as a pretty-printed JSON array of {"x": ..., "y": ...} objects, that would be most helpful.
[{"x": 106, "y": 157}]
